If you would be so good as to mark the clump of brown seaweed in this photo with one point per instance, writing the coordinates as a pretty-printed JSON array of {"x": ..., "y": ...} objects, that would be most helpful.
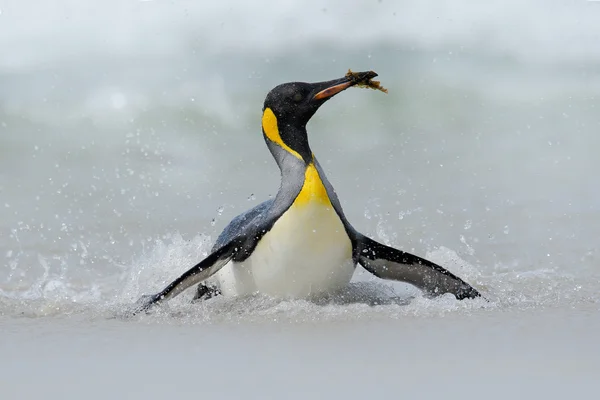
[{"x": 365, "y": 79}]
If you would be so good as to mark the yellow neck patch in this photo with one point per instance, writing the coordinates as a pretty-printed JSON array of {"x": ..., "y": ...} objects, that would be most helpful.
[
  {"x": 313, "y": 189},
  {"x": 269, "y": 125}
]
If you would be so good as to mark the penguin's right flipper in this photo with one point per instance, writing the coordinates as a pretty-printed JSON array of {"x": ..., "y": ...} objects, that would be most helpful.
[{"x": 198, "y": 273}]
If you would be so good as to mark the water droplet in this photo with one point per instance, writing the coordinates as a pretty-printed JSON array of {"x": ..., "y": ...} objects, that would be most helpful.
[
  {"x": 220, "y": 210},
  {"x": 251, "y": 197},
  {"x": 468, "y": 224},
  {"x": 506, "y": 230}
]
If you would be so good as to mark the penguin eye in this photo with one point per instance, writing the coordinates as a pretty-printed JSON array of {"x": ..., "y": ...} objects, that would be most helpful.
[{"x": 297, "y": 97}]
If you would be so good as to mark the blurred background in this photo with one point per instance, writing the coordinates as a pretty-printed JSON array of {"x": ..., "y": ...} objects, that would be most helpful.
[{"x": 127, "y": 126}]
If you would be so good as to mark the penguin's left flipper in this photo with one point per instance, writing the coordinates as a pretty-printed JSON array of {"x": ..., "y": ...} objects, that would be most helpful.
[
  {"x": 198, "y": 273},
  {"x": 388, "y": 263}
]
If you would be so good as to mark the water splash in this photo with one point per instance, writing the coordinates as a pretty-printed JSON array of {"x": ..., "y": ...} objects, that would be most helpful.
[{"x": 54, "y": 294}]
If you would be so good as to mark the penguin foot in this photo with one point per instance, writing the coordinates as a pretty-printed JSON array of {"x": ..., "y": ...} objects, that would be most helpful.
[{"x": 205, "y": 292}]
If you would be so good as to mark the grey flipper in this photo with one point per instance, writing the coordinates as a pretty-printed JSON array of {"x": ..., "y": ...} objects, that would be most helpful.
[
  {"x": 236, "y": 242},
  {"x": 388, "y": 263}
]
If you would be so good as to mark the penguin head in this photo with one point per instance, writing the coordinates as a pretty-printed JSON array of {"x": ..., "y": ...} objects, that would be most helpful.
[
  {"x": 288, "y": 108},
  {"x": 294, "y": 103}
]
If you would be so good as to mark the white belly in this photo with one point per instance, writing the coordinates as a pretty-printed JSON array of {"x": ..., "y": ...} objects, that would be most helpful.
[{"x": 306, "y": 252}]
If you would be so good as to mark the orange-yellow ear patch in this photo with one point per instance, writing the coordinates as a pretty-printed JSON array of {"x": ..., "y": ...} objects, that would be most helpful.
[{"x": 271, "y": 130}]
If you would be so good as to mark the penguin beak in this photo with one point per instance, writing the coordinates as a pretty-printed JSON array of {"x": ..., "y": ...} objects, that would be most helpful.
[{"x": 328, "y": 89}]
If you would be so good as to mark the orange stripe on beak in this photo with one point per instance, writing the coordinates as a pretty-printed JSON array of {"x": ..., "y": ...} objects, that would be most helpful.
[{"x": 333, "y": 90}]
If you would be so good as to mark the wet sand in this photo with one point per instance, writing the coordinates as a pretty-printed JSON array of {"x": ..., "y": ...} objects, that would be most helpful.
[{"x": 493, "y": 354}]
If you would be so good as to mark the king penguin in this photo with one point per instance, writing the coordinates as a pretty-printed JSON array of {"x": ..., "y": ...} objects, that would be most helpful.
[{"x": 300, "y": 243}]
